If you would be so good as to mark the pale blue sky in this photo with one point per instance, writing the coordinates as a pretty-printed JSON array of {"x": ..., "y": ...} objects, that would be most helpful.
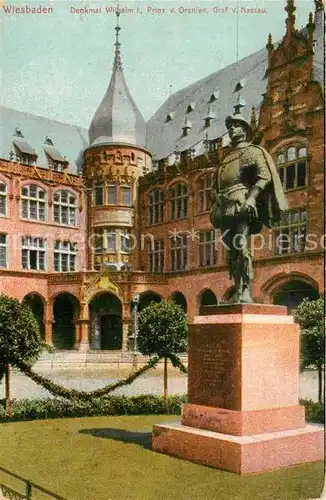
[{"x": 59, "y": 65}]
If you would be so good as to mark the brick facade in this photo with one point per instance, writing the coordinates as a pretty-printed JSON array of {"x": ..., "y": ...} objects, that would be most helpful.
[{"x": 292, "y": 115}]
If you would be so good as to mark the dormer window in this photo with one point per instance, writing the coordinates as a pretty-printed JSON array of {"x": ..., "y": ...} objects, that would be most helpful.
[
  {"x": 214, "y": 96},
  {"x": 187, "y": 126},
  {"x": 240, "y": 85},
  {"x": 23, "y": 152},
  {"x": 169, "y": 117},
  {"x": 191, "y": 107},
  {"x": 56, "y": 161},
  {"x": 209, "y": 117}
]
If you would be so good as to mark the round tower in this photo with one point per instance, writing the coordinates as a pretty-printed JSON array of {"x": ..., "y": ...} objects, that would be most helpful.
[{"x": 114, "y": 161}]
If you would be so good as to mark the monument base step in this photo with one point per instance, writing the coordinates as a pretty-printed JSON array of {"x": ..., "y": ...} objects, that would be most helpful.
[{"x": 241, "y": 454}]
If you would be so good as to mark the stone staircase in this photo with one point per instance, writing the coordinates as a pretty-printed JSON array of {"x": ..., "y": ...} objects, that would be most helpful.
[{"x": 92, "y": 360}]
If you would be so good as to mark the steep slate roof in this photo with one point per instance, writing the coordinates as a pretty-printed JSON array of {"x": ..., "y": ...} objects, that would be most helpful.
[
  {"x": 117, "y": 119},
  {"x": 69, "y": 140},
  {"x": 165, "y": 135}
]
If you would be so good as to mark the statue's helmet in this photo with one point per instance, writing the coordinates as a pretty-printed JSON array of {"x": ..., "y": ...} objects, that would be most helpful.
[{"x": 237, "y": 117}]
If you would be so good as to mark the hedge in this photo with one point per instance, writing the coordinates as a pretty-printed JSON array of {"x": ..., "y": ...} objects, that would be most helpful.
[{"x": 146, "y": 404}]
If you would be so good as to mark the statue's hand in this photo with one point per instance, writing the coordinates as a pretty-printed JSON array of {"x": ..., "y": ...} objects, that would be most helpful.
[{"x": 249, "y": 206}]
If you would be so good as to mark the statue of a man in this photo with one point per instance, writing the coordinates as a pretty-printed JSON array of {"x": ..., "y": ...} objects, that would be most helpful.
[{"x": 248, "y": 194}]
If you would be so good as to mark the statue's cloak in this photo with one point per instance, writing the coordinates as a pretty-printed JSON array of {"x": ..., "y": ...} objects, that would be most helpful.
[{"x": 271, "y": 202}]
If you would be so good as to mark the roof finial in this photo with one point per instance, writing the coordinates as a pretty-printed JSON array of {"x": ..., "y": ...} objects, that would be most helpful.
[
  {"x": 319, "y": 5},
  {"x": 290, "y": 21},
  {"x": 117, "y": 57}
]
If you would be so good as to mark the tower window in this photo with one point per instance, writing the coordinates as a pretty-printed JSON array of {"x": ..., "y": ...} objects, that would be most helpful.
[{"x": 98, "y": 196}]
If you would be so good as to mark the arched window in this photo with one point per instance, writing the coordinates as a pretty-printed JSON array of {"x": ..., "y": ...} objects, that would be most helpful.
[
  {"x": 205, "y": 183},
  {"x": 64, "y": 208},
  {"x": 156, "y": 206},
  {"x": 3, "y": 199},
  {"x": 179, "y": 201},
  {"x": 33, "y": 203},
  {"x": 292, "y": 167}
]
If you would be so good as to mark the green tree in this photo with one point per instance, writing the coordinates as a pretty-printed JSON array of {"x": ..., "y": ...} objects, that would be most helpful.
[
  {"x": 311, "y": 318},
  {"x": 20, "y": 340},
  {"x": 163, "y": 331}
]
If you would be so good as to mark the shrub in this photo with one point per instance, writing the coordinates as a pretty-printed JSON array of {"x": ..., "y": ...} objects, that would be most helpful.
[
  {"x": 145, "y": 404},
  {"x": 315, "y": 412}
]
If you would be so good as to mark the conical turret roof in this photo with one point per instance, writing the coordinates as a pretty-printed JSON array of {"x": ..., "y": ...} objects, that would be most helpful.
[{"x": 117, "y": 119}]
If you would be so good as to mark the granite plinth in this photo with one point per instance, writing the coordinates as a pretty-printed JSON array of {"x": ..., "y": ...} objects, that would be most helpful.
[
  {"x": 243, "y": 360},
  {"x": 243, "y": 423},
  {"x": 243, "y": 387},
  {"x": 244, "y": 454}
]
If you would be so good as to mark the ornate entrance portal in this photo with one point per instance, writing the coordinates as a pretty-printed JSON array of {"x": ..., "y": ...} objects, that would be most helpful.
[{"x": 106, "y": 322}]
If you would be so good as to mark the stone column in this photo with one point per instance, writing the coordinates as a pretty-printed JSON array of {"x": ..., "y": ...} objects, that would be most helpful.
[
  {"x": 83, "y": 328},
  {"x": 48, "y": 321}
]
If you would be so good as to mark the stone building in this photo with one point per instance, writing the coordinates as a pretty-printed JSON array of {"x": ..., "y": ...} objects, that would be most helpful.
[{"x": 91, "y": 219}]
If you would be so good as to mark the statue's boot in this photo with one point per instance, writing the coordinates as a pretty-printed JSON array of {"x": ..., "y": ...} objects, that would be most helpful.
[{"x": 246, "y": 297}]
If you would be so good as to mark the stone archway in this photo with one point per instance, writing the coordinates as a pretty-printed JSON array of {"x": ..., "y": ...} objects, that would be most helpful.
[
  {"x": 146, "y": 298},
  {"x": 180, "y": 299},
  {"x": 65, "y": 313},
  {"x": 105, "y": 310},
  {"x": 292, "y": 292},
  {"x": 36, "y": 303},
  {"x": 207, "y": 298}
]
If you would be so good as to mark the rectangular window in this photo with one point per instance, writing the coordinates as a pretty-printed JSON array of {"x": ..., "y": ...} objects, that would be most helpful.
[
  {"x": 3, "y": 250},
  {"x": 98, "y": 196},
  {"x": 125, "y": 242},
  {"x": 179, "y": 253},
  {"x": 126, "y": 196},
  {"x": 65, "y": 256},
  {"x": 156, "y": 257},
  {"x": 33, "y": 253},
  {"x": 207, "y": 248},
  {"x": 112, "y": 241},
  {"x": 3, "y": 199},
  {"x": 112, "y": 195},
  {"x": 290, "y": 234},
  {"x": 292, "y": 167}
]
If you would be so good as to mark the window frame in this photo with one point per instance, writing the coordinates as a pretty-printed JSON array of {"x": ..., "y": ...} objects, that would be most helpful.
[
  {"x": 5, "y": 247},
  {"x": 207, "y": 246},
  {"x": 179, "y": 203},
  {"x": 284, "y": 165},
  {"x": 179, "y": 253},
  {"x": 156, "y": 256},
  {"x": 71, "y": 208},
  {"x": 70, "y": 252},
  {"x": 204, "y": 193},
  {"x": 289, "y": 229},
  {"x": 4, "y": 196},
  {"x": 156, "y": 206},
  {"x": 39, "y": 249},
  {"x": 28, "y": 199}
]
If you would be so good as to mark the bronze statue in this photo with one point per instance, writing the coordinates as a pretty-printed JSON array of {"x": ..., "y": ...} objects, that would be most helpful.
[{"x": 247, "y": 195}]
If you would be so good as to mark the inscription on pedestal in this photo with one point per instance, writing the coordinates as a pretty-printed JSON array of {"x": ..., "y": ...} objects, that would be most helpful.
[{"x": 212, "y": 366}]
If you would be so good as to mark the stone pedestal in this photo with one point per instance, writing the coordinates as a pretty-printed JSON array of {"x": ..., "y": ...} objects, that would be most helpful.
[{"x": 243, "y": 385}]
